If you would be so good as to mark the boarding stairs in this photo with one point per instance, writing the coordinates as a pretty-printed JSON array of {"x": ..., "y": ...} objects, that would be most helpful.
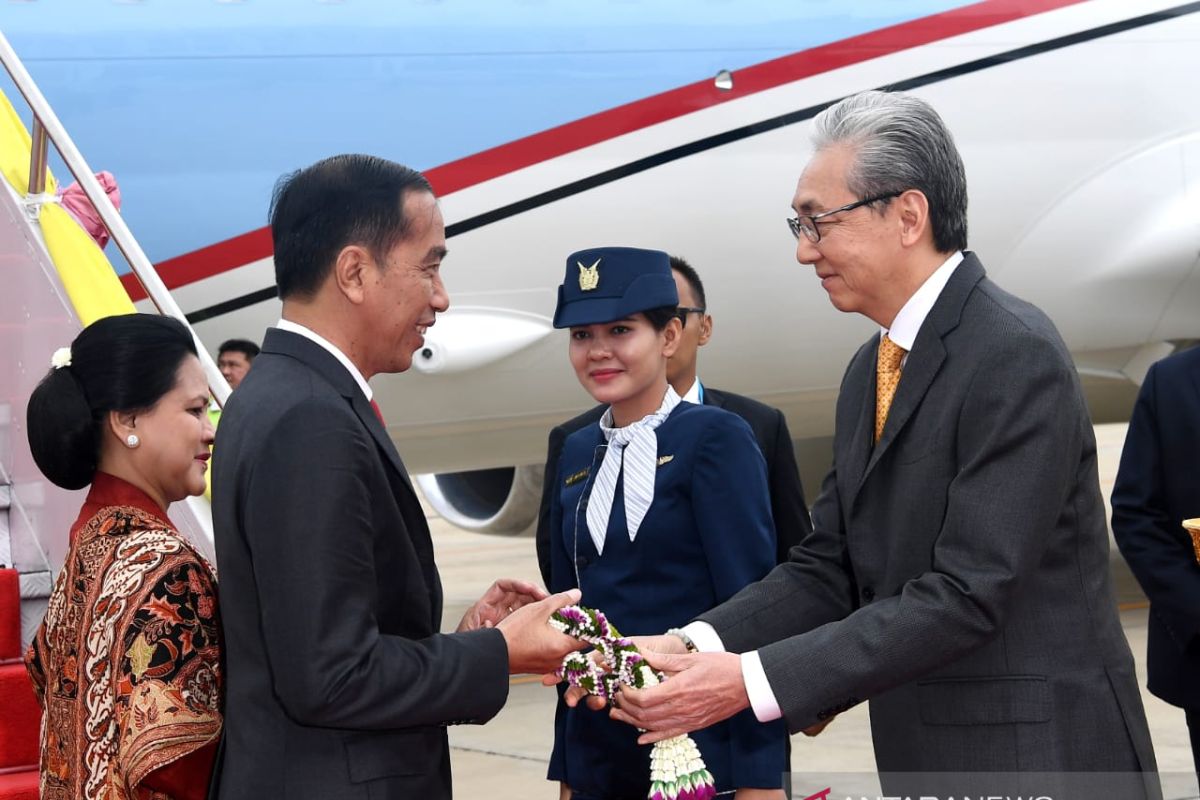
[{"x": 53, "y": 281}]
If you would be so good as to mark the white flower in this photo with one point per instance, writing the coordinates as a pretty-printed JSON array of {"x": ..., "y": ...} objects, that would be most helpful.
[{"x": 61, "y": 358}]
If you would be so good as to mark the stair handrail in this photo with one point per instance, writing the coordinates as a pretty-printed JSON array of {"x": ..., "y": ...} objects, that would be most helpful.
[{"x": 46, "y": 125}]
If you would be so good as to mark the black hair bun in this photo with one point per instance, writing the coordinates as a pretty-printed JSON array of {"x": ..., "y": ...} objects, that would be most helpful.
[{"x": 62, "y": 432}]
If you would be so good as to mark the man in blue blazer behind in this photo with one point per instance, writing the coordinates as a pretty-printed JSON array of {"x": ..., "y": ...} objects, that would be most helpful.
[{"x": 1158, "y": 486}]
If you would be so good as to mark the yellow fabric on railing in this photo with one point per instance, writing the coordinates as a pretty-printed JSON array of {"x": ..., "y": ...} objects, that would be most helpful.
[
  {"x": 87, "y": 276},
  {"x": 15, "y": 144}
]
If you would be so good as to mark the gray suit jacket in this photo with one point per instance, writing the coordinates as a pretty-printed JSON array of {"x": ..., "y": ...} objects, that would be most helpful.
[
  {"x": 957, "y": 576},
  {"x": 339, "y": 684}
]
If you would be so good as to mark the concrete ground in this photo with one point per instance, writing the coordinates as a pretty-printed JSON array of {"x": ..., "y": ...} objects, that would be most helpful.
[{"x": 507, "y": 757}]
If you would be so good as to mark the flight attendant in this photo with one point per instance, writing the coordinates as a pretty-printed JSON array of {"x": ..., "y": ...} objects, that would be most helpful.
[{"x": 660, "y": 512}]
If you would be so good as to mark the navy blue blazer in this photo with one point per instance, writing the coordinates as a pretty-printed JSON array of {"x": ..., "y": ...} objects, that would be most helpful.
[
  {"x": 707, "y": 534},
  {"x": 1158, "y": 486},
  {"x": 788, "y": 507}
]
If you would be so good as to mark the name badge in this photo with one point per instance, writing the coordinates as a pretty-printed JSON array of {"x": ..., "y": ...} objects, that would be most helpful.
[{"x": 576, "y": 478}]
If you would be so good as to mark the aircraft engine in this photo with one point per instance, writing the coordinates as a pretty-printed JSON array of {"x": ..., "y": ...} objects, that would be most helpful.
[{"x": 502, "y": 501}]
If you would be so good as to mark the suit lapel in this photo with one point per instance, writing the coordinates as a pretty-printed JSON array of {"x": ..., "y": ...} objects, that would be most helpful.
[
  {"x": 864, "y": 428},
  {"x": 923, "y": 364},
  {"x": 414, "y": 516},
  {"x": 367, "y": 416},
  {"x": 925, "y": 360}
]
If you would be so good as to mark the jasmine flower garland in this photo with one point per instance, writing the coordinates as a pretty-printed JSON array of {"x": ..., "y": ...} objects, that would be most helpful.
[{"x": 677, "y": 771}]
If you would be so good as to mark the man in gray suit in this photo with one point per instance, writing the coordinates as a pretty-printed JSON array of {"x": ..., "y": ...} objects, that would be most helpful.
[{"x": 957, "y": 575}]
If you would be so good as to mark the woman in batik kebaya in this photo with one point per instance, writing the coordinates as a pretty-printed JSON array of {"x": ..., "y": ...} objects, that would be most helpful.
[{"x": 126, "y": 663}]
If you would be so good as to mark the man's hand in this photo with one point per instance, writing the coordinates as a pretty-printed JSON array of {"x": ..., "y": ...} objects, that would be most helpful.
[
  {"x": 533, "y": 646},
  {"x": 701, "y": 689},
  {"x": 501, "y": 599},
  {"x": 663, "y": 643}
]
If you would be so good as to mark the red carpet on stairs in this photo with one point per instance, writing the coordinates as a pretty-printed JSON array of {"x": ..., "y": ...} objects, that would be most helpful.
[
  {"x": 20, "y": 715},
  {"x": 10, "y": 615},
  {"x": 19, "y": 785}
]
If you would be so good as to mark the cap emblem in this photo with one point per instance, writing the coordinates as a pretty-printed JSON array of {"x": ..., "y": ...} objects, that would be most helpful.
[{"x": 589, "y": 277}]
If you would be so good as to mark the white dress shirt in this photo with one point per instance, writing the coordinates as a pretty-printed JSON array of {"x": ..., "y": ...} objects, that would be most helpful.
[
  {"x": 692, "y": 395},
  {"x": 903, "y": 332},
  {"x": 311, "y": 335},
  {"x": 912, "y": 314}
]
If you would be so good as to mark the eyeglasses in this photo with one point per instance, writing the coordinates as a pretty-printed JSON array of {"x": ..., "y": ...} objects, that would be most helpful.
[
  {"x": 806, "y": 224},
  {"x": 683, "y": 311}
]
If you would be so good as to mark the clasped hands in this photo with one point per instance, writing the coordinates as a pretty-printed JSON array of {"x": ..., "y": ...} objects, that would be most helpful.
[{"x": 702, "y": 689}]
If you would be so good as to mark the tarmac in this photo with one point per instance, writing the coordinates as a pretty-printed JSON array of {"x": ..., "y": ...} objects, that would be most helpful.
[{"x": 507, "y": 757}]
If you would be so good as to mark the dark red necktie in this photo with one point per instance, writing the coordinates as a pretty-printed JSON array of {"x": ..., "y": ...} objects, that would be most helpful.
[{"x": 378, "y": 413}]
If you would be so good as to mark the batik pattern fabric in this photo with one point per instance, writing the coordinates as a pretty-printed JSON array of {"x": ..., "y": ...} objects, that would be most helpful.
[{"x": 126, "y": 663}]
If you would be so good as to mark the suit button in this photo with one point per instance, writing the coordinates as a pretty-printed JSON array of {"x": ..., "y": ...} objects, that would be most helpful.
[
  {"x": 582, "y": 561},
  {"x": 868, "y": 594}
]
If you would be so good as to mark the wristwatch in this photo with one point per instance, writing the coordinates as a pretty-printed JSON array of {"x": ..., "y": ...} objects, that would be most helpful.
[{"x": 683, "y": 637}]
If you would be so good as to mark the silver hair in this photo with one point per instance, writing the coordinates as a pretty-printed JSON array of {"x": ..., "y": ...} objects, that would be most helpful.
[{"x": 901, "y": 143}]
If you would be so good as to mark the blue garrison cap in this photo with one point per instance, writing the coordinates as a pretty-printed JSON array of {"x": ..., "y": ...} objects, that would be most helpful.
[{"x": 610, "y": 283}]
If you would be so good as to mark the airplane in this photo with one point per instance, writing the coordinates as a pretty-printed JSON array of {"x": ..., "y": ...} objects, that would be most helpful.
[{"x": 549, "y": 127}]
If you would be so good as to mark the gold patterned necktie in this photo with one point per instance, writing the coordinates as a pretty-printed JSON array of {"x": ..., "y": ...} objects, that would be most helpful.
[{"x": 887, "y": 378}]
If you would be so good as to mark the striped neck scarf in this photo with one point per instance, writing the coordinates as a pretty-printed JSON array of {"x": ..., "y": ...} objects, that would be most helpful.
[{"x": 633, "y": 449}]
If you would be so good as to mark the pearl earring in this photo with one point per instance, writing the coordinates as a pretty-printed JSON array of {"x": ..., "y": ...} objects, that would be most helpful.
[{"x": 132, "y": 441}]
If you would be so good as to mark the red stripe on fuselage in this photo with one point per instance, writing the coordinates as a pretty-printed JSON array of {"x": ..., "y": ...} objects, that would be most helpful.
[{"x": 581, "y": 133}]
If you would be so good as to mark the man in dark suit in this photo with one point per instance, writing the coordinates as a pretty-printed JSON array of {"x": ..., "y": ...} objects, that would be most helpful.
[
  {"x": 788, "y": 508},
  {"x": 1157, "y": 487},
  {"x": 957, "y": 576},
  {"x": 339, "y": 684}
]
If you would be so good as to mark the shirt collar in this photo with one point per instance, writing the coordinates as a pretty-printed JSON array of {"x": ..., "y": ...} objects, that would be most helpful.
[
  {"x": 670, "y": 399},
  {"x": 109, "y": 490},
  {"x": 693, "y": 395},
  {"x": 313, "y": 336},
  {"x": 908, "y": 322}
]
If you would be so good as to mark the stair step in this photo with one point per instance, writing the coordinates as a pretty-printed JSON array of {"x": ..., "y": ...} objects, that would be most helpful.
[
  {"x": 32, "y": 614},
  {"x": 36, "y": 585},
  {"x": 22, "y": 718},
  {"x": 19, "y": 785}
]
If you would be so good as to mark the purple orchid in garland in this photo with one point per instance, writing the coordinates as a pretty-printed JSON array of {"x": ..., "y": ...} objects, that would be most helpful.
[{"x": 677, "y": 771}]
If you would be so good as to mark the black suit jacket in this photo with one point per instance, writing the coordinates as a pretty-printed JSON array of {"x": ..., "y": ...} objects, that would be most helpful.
[
  {"x": 339, "y": 684},
  {"x": 788, "y": 508},
  {"x": 1158, "y": 486}
]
